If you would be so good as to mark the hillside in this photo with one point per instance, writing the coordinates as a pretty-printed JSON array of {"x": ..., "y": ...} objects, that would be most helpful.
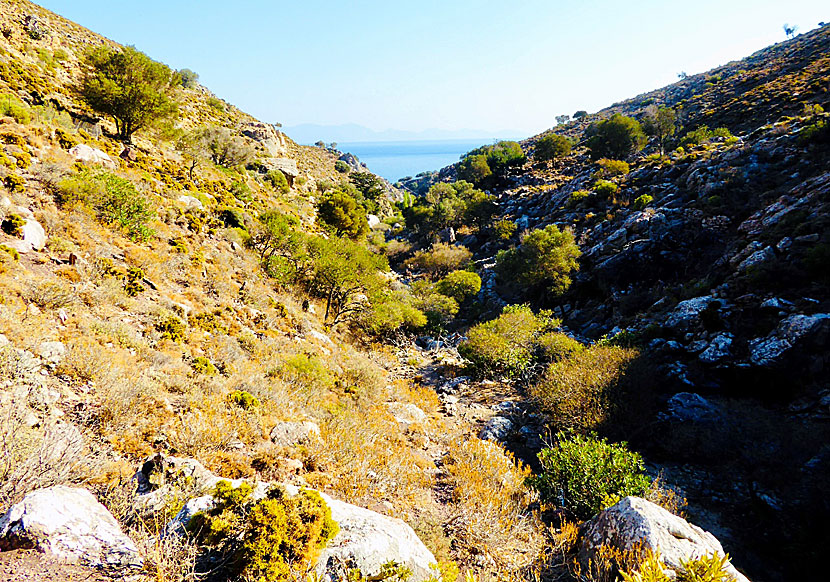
[{"x": 208, "y": 369}]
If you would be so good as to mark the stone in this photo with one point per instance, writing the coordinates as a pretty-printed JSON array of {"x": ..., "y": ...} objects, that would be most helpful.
[
  {"x": 51, "y": 352},
  {"x": 769, "y": 350},
  {"x": 687, "y": 313},
  {"x": 285, "y": 165},
  {"x": 366, "y": 541},
  {"x": 271, "y": 138},
  {"x": 373, "y": 220},
  {"x": 718, "y": 349},
  {"x": 406, "y": 414},
  {"x": 89, "y": 155},
  {"x": 191, "y": 202},
  {"x": 34, "y": 234},
  {"x": 496, "y": 429},
  {"x": 691, "y": 407},
  {"x": 634, "y": 521},
  {"x": 757, "y": 258},
  {"x": 355, "y": 165},
  {"x": 319, "y": 335},
  {"x": 291, "y": 433},
  {"x": 447, "y": 235},
  {"x": 129, "y": 153},
  {"x": 69, "y": 523}
]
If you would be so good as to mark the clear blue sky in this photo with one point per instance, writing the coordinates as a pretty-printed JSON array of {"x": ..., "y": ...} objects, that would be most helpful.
[{"x": 447, "y": 64}]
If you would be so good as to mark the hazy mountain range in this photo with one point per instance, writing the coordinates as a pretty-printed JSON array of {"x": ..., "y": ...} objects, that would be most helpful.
[{"x": 309, "y": 133}]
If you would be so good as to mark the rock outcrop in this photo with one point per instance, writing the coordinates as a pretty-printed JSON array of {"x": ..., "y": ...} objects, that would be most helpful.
[
  {"x": 635, "y": 521},
  {"x": 70, "y": 524}
]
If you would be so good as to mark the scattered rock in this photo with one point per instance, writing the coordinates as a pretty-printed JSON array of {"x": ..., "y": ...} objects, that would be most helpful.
[
  {"x": 290, "y": 433},
  {"x": 636, "y": 521},
  {"x": 406, "y": 414},
  {"x": 191, "y": 202},
  {"x": 687, "y": 313},
  {"x": 718, "y": 349},
  {"x": 70, "y": 524},
  {"x": 51, "y": 352},
  {"x": 769, "y": 350},
  {"x": 496, "y": 429},
  {"x": 89, "y": 155},
  {"x": 691, "y": 407}
]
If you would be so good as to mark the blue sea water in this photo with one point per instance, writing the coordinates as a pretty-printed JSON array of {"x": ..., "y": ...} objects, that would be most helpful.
[{"x": 394, "y": 160}]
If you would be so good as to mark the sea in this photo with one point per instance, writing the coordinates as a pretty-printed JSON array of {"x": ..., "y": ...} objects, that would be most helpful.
[{"x": 394, "y": 160}]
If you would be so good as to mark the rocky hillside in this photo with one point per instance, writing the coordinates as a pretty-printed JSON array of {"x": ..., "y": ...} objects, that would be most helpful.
[{"x": 712, "y": 261}]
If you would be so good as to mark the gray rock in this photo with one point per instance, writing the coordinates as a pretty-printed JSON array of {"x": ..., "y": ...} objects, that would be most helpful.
[
  {"x": 70, "y": 524},
  {"x": 373, "y": 220},
  {"x": 34, "y": 234},
  {"x": 496, "y": 429},
  {"x": 51, "y": 352},
  {"x": 291, "y": 433},
  {"x": 757, "y": 258},
  {"x": 719, "y": 349},
  {"x": 89, "y": 155},
  {"x": 687, "y": 313},
  {"x": 635, "y": 521},
  {"x": 691, "y": 407},
  {"x": 406, "y": 414},
  {"x": 769, "y": 350},
  {"x": 191, "y": 202}
]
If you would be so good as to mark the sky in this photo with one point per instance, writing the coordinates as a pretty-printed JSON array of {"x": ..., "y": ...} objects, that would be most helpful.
[{"x": 446, "y": 64}]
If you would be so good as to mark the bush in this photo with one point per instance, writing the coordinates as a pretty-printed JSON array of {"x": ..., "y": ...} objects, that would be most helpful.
[
  {"x": 706, "y": 568},
  {"x": 274, "y": 539},
  {"x": 459, "y": 285},
  {"x": 114, "y": 200},
  {"x": 171, "y": 327},
  {"x": 440, "y": 260},
  {"x": 474, "y": 169},
  {"x": 13, "y": 224},
  {"x": 242, "y": 399},
  {"x": 611, "y": 168},
  {"x": 439, "y": 309},
  {"x": 503, "y": 229},
  {"x": 342, "y": 214},
  {"x": 605, "y": 189},
  {"x": 341, "y": 167},
  {"x": 579, "y": 391},
  {"x": 128, "y": 86},
  {"x": 617, "y": 137},
  {"x": 578, "y": 197},
  {"x": 586, "y": 474},
  {"x": 10, "y": 106},
  {"x": 14, "y": 183},
  {"x": 551, "y": 147},
  {"x": 278, "y": 180},
  {"x": 555, "y": 346},
  {"x": 642, "y": 201},
  {"x": 188, "y": 78},
  {"x": 505, "y": 346},
  {"x": 546, "y": 257},
  {"x": 202, "y": 365}
]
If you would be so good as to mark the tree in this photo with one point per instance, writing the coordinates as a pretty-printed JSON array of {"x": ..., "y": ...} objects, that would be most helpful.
[
  {"x": 342, "y": 214},
  {"x": 580, "y": 114},
  {"x": 790, "y": 30},
  {"x": 551, "y": 147},
  {"x": 224, "y": 148},
  {"x": 368, "y": 184},
  {"x": 616, "y": 137},
  {"x": 130, "y": 87},
  {"x": 440, "y": 260},
  {"x": 280, "y": 244},
  {"x": 560, "y": 119},
  {"x": 660, "y": 122},
  {"x": 320, "y": 144},
  {"x": 459, "y": 285},
  {"x": 188, "y": 78},
  {"x": 193, "y": 149},
  {"x": 546, "y": 257},
  {"x": 474, "y": 169}
]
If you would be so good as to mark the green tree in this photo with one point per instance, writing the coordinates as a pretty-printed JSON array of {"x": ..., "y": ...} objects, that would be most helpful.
[
  {"x": 368, "y": 184},
  {"x": 128, "y": 86},
  {"x": 660, "y": 122},
  {"x": 188, "y": 78},
  {"x": 459, "y": 285},
  {"x": 281, "y": 245},
  {"x": 552, "y": 147},
  {"x": 474, "y": 169},
  {"x": 343, "y": 215},
  {"x": 616, "y": 137},
  {"x": 546, "y": 257}
]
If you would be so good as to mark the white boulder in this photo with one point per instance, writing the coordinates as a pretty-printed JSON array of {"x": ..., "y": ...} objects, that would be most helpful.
[
  {"x": 70, "y": 524},
  {"x": 89, "y": 155}
]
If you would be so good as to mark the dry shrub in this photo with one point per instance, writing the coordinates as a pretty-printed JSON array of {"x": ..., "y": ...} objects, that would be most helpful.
[
  {"x": 51, "y": 294},
  {"x": 364, "y": 454},
  {"x": 167, "y": 558},
  {"x": 32, "y": 458},
  {"x": 492, "y": 506},
  {"x": 579, "y": 391},
  {"x": 85, "y": 360}
]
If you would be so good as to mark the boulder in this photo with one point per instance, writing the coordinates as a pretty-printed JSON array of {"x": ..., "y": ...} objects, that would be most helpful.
[
  {"x": 89, "y": 155},
  {"x": 769, "y": 350},
  {"x": 718, "y": 349},
  {"x": 271, "y": 139},
  {"x": 34, "y": 234},
  {"x": 367, "y": 540},
  {"x": 406, "y": 414},
  {"x": 51, "y": 352},
  {"x": 496, "y": 429},
  {"x": 290, "y": 433},
  {"x": 70, "y": 524},
  {"x": 635, "y": 521},
  {"x": 687, "y": 313},
  {"x": 191, "y": 202},
  {"x": 373, "y": 220},
  {"x": 691, "y": 407},
  {"x": 355, "y": 165}
]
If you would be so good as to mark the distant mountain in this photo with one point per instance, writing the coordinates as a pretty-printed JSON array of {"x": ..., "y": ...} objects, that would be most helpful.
[{"x": 310, "y": 133}]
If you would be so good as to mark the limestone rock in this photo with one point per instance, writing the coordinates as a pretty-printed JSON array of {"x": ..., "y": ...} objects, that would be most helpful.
[
  {"x": 191, "y": 202},
  {"x": 355, "y": 165},
  {"x": 69, "y": 523},
  {"x": 496, "y": 429},
  {"x": 636, "y": 521},
  {"x": 718, "y": 349},
  {"x": 406, "y": 414},
  {"x": 687, "y": 313},
  {"x": 691, "y": 407},
  {"x": 89, "y": 155},
  {"x": 367, "y": 540},
  {"x": 272, "y": 139},
  {"x": 51, "y": 352},
  {"x": 769, "y": 350},
  {"x": 290, "y": 433},
  {"x": 34, "y": 234}
]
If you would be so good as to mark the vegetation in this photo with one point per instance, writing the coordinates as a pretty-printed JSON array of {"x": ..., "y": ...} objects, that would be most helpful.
[
  {"x": 616, "y": 137},
  {"x": 342, "y": 214},
  {"x": 460, "y": 285},
  {"x": 440, "y": 260},
  {"x": 586, "y": 474},
  {"x": 660, "y": 123},
  {"x": 482, "y": 165},
  {"x": 552, "y": 147},
  {"x": 546, "y": 257},
  {"x": 130, "y": 87}
]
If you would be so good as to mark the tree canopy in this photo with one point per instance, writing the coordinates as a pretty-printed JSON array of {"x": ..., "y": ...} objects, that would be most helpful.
[
  {"x": 130, "y": 87},
  {"x": 546, "y": 257},
  {"x": 552, "y": 147},
  {"x": 342, "y": 214},
  {"x": 616, "y": 137}
]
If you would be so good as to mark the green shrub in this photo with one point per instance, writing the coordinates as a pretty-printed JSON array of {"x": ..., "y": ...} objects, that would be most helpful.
[
  {"x": 586, "y": 474},
  {"x": 14, "y": 183},
  {"x": 202, "y": 365},
  {"x": 503, "y": 229},
  {"x": 505, "y": 346},
  {"x": 114, "y": 200},
  {"x": 440, "y": 260},
  {"x": 13, "y": 253},
  {"x": 13, "y": 224},
  {"x": 272, "y": 540},
  {"x": 306, "y": 371},
  {"x": 551, "y": 147},
  {"x": 10, "y": 106},
  {"x": 706, "y": 568},
  {"x": 241, "y": 398},
  {"x": 65, "y": 139},
  {"x": 642, "y": 201},
  {"x": 439, "y": 309},
  {"x": 578, "y": 197},
  {"x": 278, "y": 180},
  {"x": 341, "y": 213},
  {"x": 579, "y": 391},
  {"x": 617, "y": 137},
  {"x": 178, "y": 244},
  {"x": 459, "y": 285},
  {"x": 341, "y": 167},
  {"x": 189, "y": 79},
  {"x": 612, "y": 168},
  {"x": 132, "y": 282},
  {"x": 546, "y": 257},
  {"x": 605, "y": 189},
  {"x": 171, "y": 327},
  {"x": 231, "y": 217},
  {"x": 555, "y": 346}
]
